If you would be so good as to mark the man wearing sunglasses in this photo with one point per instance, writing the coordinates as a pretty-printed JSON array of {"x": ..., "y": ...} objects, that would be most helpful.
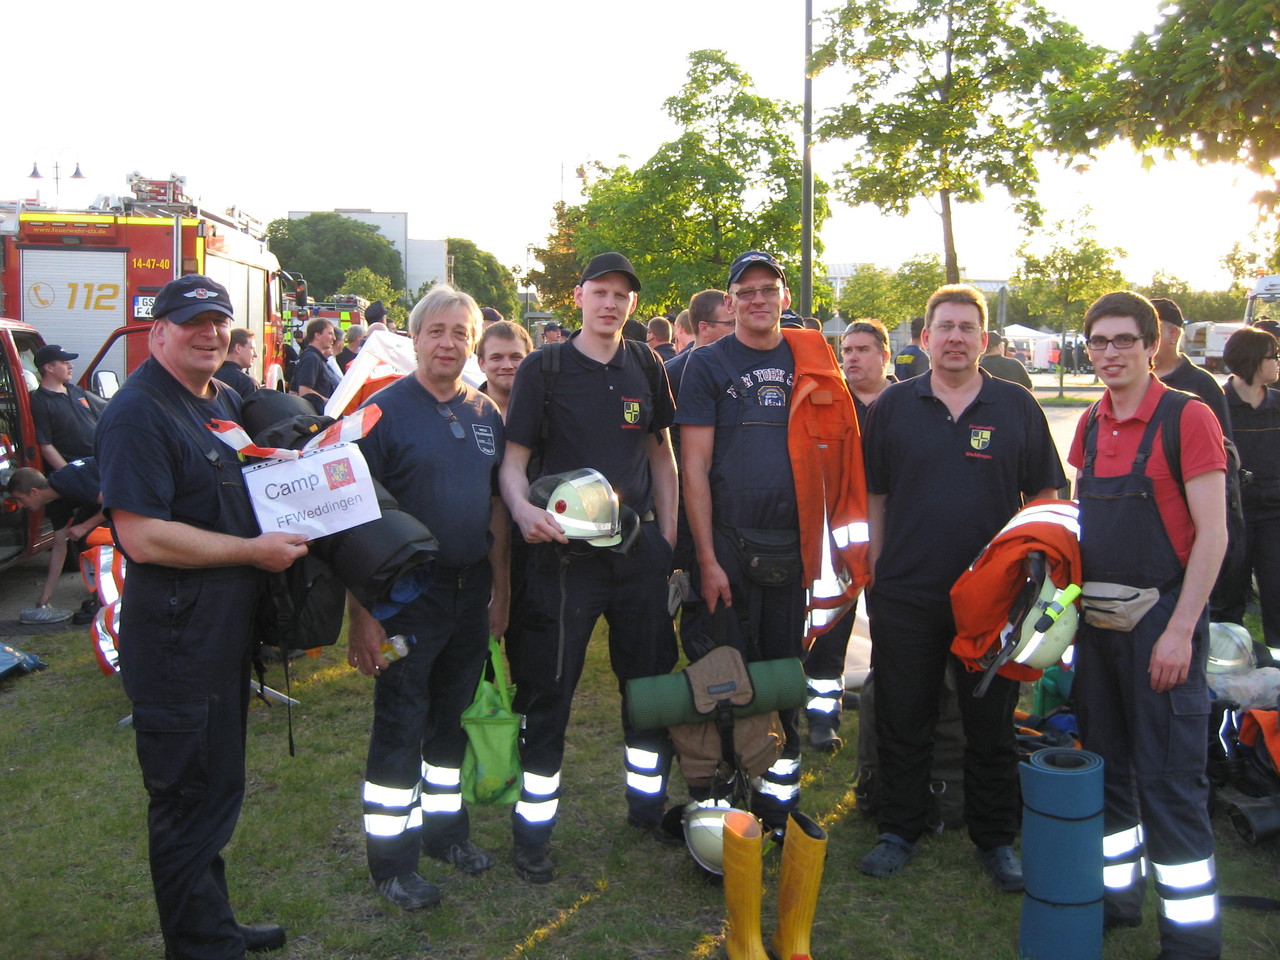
[
  {"x": 1140, "y": 690},
  {"x": 436, "y": 449}
]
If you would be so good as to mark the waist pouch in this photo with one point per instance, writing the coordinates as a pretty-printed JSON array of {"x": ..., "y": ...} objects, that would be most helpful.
[
  {"x": 770, "y": 558},
  {"x": 1115, "y": 606}
]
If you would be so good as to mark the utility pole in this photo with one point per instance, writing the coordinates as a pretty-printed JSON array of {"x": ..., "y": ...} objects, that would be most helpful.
[{"x": 806, "y": 190}]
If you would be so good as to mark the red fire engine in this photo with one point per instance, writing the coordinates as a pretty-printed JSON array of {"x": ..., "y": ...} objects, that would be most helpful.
[{"x": 86, "y": 279}]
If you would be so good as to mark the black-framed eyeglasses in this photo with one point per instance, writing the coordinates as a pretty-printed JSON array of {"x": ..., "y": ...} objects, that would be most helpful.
[
  {"x": 455, "y": 425},
  {"x": 1124, "y": 341}
]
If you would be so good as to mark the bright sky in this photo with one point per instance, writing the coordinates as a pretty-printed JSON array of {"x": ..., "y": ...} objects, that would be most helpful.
[{"x": 473, "y": 117}]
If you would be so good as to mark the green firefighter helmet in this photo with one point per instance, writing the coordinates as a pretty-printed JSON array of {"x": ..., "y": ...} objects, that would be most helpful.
[
  {"x": 704, "y": 834},
  {"x": 583, "y": 503},
  {"x": 1047, "y": 626},
  {"x": 1230, "y": 649}
]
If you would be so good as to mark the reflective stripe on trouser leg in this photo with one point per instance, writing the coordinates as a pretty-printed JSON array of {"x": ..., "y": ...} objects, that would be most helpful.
[
  {"x": 390, "y": 811},
  {"x": 1122, "y": 859},
  {"x": 534, "y": 815},
  {"x": 1187, "y": 893},
  {"x": 444, "y": 821},
  {"x": 776, "y": 792},
  {"x": 646, "y": 776},
  {"x": 822, "y": 708}
]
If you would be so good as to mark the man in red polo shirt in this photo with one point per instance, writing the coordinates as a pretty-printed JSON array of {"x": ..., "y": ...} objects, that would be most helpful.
[{"x": 1140, "y": 687}]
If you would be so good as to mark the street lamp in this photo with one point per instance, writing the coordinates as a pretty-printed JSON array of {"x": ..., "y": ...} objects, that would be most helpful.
[{"x": 35, "y": 174}]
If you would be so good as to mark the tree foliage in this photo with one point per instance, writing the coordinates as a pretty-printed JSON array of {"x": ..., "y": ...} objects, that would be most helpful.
[
  {"x": 323, "y": 247},
  {"x": 1065, "y": 269},
  {"x": 561, "y": 267},
  {"x": 892, "y": 296},
  {"x": 1196, "y": 305},
  {"x": 363, "y": 282},
  {"x": 946, "y": 100},
  {"x": 478, "y": 273},
  {"x": 730, "y": 182},
  {"x": 1204, "y": 82}
]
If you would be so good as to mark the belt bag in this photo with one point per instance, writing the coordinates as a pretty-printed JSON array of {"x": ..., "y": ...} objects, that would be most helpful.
[
  {"x": 770, "y": 558},
  {"x": 1116, "y": 606}
]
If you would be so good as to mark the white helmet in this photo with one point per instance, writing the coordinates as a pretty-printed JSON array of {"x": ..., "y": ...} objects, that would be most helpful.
[
  {"x": 1048, "y": 626},
  {"x": 704, "y": 833},
  {"x": 583, "y": 503},
  {"x": 1230, "y": 649}
]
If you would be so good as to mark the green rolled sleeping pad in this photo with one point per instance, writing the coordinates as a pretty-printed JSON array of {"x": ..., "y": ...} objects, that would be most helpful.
[{"x": 666, "y": 701}]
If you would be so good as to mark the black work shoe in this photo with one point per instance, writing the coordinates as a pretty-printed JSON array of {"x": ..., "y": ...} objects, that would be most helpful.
[
  {"x": 533, "y": 862},
  {"x": 660, "y": 831},
  {"x": 262, "y": 937},
  {"x": 1004, "y": 866},
  {"x": 408, "y": 891},
  {"x": 824, "y": 738},
  {"x": 464, "y": 856}
]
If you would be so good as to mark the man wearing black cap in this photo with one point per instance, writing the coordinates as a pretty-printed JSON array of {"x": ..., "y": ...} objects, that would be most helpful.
[
  {"x": 597, "y": 402},
  {"x": 65, "y": 419},
  {"x": 552, "y": 332},
  {"x": 178, "y": 505},
  {"x": 736, "y": 417},
  {"x": 1175, "y": 369}
]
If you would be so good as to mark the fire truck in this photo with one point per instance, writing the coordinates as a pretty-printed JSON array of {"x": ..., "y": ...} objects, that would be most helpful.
[{"x": 86, "y": 279}]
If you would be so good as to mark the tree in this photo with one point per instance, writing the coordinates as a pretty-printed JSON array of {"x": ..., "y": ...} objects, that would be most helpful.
[
  {"x": 324, "y": 246},
  {"x": 891, "y": 296},
  {"x": 914, "y": 283},
  {"x": 561, "y": 267},
  {"x": 1063, "y": 271},
  {"x": 729, "y": 183},
  {"x": 946, "y": 100},
  {"x": 1203, "y": 82},
  {"x": 866, "y": 293},
  {"x": 478, "y": 273},
  {"x": 363, "y": 282}
]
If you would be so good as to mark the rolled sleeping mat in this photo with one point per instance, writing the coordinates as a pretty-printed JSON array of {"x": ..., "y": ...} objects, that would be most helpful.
[
  {"x": 1061, "y": 856},
  {"x": 666, "y": 701},
  {"x": 385, "y": 563},
  {"x": 1255, "y": 819}
]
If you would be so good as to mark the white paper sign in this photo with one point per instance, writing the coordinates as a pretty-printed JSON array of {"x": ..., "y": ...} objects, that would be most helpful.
[{"x": 320, "y": 493}]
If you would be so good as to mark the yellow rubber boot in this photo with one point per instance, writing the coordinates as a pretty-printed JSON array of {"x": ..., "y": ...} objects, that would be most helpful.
[
  {"x": 743, "y": 885},
  {"x": 804, "y": 850}
]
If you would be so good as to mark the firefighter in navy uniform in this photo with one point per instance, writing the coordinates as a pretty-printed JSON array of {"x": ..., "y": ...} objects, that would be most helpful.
[
  {"x": 1140, "y": 693},
  {"x": 436, "y": 449},
  {"x": 608, "y": 409},
  {"x": 180, "y": 512}
]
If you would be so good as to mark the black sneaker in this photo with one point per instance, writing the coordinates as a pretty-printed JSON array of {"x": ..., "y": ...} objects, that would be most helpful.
[
  {"x": 408, "y": 891},
  {"x": 660, "y": 831},
  {"x": 262, "y": 937},
  {"x": 824, "y": 738},
  {"x": 464, "y": 856},
  {"x": 533, "y": 862}
]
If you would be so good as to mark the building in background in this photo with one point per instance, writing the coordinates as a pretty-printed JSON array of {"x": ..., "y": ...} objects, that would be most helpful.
[{"x": 423, "y": 260}]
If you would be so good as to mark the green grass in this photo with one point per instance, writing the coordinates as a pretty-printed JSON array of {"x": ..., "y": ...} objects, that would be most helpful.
[
  {"x": 1065, "y": 401},
  {"x": 73, "y": 855}
]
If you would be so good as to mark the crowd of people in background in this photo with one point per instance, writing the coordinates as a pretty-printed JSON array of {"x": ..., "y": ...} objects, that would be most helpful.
[{"x": 691, "y": 420}]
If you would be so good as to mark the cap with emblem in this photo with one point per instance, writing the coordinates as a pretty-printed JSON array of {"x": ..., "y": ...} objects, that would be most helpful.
[
  {"x": 51, "y": 354},
  {"x": 187, "y": 297},
  {"x": 754, "y": 258}
]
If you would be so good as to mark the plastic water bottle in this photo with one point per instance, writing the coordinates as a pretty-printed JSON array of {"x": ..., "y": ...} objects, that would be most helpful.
[{"x": 393, "y": 648}]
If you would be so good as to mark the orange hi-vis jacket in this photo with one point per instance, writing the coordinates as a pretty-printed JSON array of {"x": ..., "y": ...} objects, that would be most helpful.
[
  {"x": 825, "y": 445},
  {"x": 983, "y": 595}
]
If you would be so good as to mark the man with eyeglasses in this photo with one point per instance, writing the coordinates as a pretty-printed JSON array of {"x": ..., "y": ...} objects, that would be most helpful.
[
  {"x": 1140, "y": 693},
  {"x": 599, "y": 401},
  {"x": 436, "y": 449},
  {"x": 951, "y": 455},
  {"x": 736, "y": 418}
]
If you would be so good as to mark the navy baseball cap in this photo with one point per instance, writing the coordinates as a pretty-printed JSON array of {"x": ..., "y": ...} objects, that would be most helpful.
[
  {"x": 52, "y": 353},
  {"x": 1168, "y": 311},
  {"x": 610, "y": 263},
  {"x": 180, "y": 300},
  {"x": 754, "y": 258}
]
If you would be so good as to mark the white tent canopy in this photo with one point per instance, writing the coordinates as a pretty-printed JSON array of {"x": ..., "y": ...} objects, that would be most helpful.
[{"x": 1016, "y": 331}]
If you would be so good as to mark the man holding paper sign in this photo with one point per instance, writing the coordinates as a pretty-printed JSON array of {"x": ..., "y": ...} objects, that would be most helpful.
[
  {"x": 436, "y": 449},
  {"x": 179, "y": 510}
]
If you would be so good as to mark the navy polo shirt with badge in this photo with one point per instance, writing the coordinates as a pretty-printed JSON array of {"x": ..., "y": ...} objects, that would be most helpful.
[
  {"x": 950, "y": 486},
  {"x": 66, "y": 420},
  {"x": 601, "y": 415},
  {"x": 443, "y": 480}
]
